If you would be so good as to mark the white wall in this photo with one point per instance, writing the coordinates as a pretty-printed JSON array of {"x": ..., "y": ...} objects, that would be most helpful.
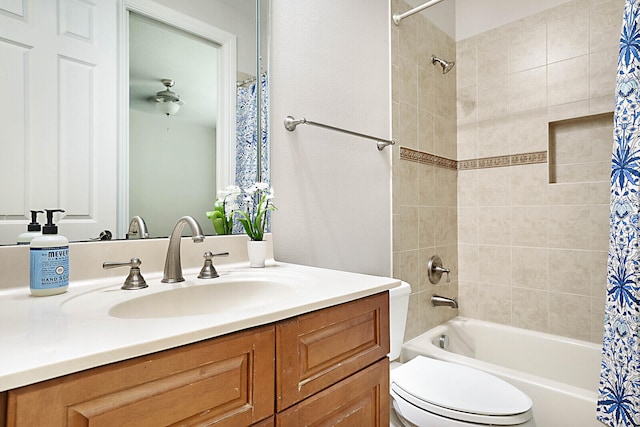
[
  {"x": 474, "y": 17},
  {"x": 461, "y": 19},
  {"x": 330, "y": 62},
  {"x": 235, "y": 16},
  {"x": 172, "y": 171}
]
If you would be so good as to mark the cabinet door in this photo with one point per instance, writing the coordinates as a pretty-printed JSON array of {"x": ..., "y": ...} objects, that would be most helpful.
[
  {"x": 3, "y": 408},
  {"x": 269, "y": 422},
  {"x": 224, "y": 381},
  {"x": 318, "y": 349},
  {"x": 360, "y": 400}
]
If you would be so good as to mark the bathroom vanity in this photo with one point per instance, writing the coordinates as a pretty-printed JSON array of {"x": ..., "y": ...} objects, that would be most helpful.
[
  {"x": 317, "y": 351},
  {"x": 329, "y": 364}
]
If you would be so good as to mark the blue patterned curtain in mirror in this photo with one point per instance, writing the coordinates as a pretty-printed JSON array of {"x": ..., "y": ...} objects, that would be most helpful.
[
  {"x": 247, "y": 134},
  {"x": 247, "y": 139},
  {"x": 619, "y": 392}
]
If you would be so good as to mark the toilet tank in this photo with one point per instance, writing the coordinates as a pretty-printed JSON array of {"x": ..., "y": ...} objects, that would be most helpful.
[{"x": 398, "y": 308}]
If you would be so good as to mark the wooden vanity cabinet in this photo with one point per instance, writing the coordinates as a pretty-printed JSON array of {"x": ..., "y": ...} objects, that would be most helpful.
[
  {"x": 318, "y": 349},
  {"x": 269, "y": 422},
  {"x": 3, "y": 408},
  {"x": 327, "y": 351},
  {"x": 228, "y": 381},
  {"x": 361, "y": 399},
  {"x": 327, "y": 367}
]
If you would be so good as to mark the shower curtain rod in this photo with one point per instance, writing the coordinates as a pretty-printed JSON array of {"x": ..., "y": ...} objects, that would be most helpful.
[
  {"x": 249, "y": 80},
  {"x": 399, "y": 17},
  {"x": 290, "y": 124}
]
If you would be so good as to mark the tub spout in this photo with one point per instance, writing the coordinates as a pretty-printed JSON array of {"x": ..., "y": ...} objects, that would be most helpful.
[{"x": 437, "y": 301}]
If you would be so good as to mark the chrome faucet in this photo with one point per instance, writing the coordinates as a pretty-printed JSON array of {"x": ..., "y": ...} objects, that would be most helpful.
[
  {"x": 437, "y": 301},
  {"x": 137, "y": 227},
  {"x": 173, "y": 265}
]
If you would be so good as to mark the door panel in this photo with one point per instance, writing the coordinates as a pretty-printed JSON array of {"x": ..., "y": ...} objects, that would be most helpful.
[{"x": 59, "y": 70}]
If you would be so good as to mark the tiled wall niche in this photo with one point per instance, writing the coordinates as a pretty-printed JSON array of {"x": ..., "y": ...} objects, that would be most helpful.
[{"x": 580, "y": 149}]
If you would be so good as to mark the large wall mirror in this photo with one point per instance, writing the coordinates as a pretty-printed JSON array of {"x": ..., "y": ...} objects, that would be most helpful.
[
  {"x": 91, "y": 140},
  {"x": 179, "y": 152}
]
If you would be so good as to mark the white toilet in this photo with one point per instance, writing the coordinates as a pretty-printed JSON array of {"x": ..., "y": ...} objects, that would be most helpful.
[{"x": 432, "y": 393}]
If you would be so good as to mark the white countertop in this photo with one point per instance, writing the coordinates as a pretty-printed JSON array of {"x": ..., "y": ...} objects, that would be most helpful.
[{"x": 47, "y": 337}]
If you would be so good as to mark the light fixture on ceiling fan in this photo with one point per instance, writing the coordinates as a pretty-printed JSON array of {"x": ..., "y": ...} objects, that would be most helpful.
[{"x": 167, "y": 101}]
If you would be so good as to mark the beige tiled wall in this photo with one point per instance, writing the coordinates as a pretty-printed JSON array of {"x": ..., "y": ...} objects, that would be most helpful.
[
  {"x": 530, "y": 253},
  {"x": 424, "y": 196}
]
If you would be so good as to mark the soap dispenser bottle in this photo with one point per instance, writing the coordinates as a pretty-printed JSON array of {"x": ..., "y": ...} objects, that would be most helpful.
[
  {"x": 49, "y": 266},
  {"x": 33, "y": 229}
]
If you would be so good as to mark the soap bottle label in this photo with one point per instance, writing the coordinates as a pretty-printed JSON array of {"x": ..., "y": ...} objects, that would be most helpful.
[{"x": 49, "y": 267}]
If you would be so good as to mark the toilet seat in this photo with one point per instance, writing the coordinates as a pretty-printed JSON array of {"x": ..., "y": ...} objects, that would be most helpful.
[{"x": 459, "y": 392}]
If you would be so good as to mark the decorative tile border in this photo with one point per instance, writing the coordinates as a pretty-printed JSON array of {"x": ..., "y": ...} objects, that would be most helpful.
[
  {"x": 502, "y": 161},
  {"x": 426, "y": 158},
  {"x": 481, "y": 163},
  {"x": 529, "y": 158}
]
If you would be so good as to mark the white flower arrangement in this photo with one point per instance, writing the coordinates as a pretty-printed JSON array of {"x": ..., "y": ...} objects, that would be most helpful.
[
  {"x": 257, "y": 200},
  {"x": 222, "y": 214}
]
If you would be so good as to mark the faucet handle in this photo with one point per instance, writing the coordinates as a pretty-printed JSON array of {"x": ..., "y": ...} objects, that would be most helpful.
[
  {"x": 435, "y": 270},
  {"x": 134, "y": 280},
  {"x": 443, "y": 270},
  {"x": 104, "y": 235},
  {"x": 208, "y": 271}
]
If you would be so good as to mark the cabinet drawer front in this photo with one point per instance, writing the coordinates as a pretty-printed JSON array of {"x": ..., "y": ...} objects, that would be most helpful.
[
  {"x": 269, "y": 422},
  {"x": 360, "y": 400},
  {"x": 228, "y": 379},
  {"x": 315, "y": 350}
]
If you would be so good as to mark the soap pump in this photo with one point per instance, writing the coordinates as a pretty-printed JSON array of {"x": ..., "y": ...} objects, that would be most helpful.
[
  {"x": 49, "y": 256},
  {"x": 33, "y": 229}
]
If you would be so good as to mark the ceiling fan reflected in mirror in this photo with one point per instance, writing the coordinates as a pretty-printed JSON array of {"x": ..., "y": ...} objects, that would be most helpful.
[{"x": 167, "y": 101}]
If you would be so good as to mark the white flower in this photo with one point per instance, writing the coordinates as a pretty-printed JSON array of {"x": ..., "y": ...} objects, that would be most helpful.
[
  {"x": 228, "y": 191},
  {"x": 257, "y": 186},
  {"x": 261, "y": 186},
  {"x": 252, "y": 189},
  {"x": 230, "y": 206},
  {"x": 271, "y": 194},
  {"x": 233, "y": 189}
]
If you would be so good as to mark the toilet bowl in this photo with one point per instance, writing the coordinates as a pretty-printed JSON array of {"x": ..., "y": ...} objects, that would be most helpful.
[
  {"x": 430, "y": 392},
  {"x": 435, "y": 393}
]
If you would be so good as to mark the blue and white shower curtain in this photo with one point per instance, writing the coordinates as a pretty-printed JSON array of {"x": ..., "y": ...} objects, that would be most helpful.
[
  {"x": 247, "y": 133},
  {"x": 619, "y": 392},
  {"x": 247, "y": 138}
]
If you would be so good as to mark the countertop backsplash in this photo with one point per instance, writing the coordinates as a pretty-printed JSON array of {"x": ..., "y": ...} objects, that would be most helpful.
[{"x": 86, "y": 258}]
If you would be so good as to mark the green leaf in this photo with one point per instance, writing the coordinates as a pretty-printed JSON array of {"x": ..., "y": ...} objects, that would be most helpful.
[{"x": 219, "y": 225}]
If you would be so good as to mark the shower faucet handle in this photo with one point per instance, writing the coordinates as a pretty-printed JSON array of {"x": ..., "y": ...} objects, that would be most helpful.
[
  {"x": 443, "y": 270},
  {"x": 435, "y": 270}
]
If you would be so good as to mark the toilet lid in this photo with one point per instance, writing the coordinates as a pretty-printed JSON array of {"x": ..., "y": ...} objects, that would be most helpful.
[{"x": 458, "y": 388}]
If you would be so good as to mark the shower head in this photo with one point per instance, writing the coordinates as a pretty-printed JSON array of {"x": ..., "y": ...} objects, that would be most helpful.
[{"x": 446, "y": 65}]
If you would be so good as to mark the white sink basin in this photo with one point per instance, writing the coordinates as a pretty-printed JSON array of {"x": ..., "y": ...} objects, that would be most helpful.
[
  {"x": 192, "y": 299},
  {"x": 245, "y": 291}
]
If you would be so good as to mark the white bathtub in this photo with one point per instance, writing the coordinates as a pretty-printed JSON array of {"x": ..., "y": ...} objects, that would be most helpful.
[{"x": 559, "y": 374}]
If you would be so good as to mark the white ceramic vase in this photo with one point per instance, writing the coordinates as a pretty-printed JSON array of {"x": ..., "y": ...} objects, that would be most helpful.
[{"x": 257, "y": 250}]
